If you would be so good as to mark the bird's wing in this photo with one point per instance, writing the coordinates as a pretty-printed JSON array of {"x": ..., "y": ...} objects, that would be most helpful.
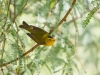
[{"x": 37, "y": 40}]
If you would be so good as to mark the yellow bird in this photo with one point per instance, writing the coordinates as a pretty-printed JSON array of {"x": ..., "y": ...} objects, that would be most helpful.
[{"x": 38, "y": 35}]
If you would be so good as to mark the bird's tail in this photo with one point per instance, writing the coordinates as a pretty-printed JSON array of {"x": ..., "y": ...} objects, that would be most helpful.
[{"x": 25, "y": 26}]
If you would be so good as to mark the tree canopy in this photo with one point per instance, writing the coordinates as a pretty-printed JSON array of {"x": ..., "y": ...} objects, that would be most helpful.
[{"x": 75, "y": 25}]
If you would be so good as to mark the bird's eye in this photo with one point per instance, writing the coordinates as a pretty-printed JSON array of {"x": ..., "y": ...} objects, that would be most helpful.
[{"x": 49, "y": 39}]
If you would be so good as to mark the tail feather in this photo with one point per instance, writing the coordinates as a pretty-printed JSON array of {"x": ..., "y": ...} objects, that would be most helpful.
[{"x": 24, "y": 25}]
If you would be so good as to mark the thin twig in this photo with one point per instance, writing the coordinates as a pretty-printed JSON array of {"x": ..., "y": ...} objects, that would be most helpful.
[
  {"x": 49, "y": 14},
  {"x": 76, "y": 34},
  {"x": 14, "y": 11},
  {"x": 20, "y": 10},
  {"x": 3, "y": 49}
]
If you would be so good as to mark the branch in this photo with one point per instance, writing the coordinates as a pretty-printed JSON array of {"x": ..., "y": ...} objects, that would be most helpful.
[
  {"x": 64, "y": 18},
  {"x": 5, "y": 64}
]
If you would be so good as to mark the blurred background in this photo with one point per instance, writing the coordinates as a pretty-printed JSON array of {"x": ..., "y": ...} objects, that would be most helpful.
[{"x": 77, "y": 46}]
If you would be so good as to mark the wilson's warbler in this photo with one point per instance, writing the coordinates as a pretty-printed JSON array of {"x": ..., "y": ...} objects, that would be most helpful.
[{"x": 38, "y": 35}]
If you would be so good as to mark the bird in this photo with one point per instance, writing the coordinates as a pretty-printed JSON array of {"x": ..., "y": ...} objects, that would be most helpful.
[{"x": 37, "y": 34}]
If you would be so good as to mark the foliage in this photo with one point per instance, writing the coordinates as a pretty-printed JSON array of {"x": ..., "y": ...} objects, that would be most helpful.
[{"x": 74, "y": 43}]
